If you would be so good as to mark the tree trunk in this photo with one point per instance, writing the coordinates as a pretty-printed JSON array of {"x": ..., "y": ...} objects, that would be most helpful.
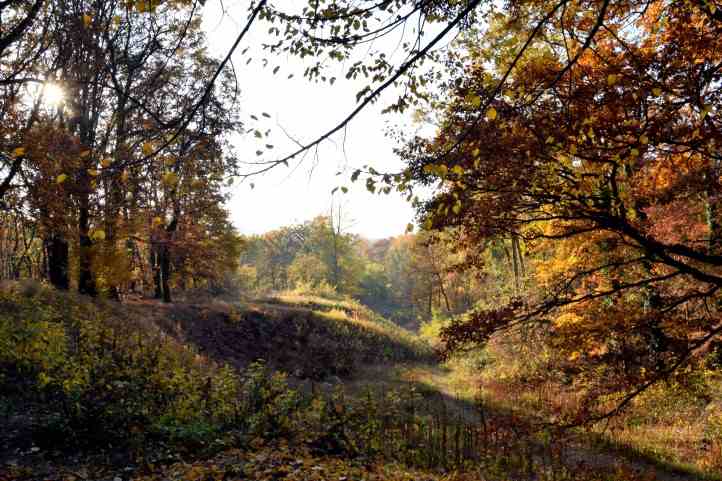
[
  {"x": 155, "y": 264},
  {"x": 165, "y": 259},
  {"x": 165, "y": 272},
  {"x": 115, "y": 195},
  {"x": 57, "y": 261},
  {"x": 515, "y": 261},
  {"x": 86, "y": 281},
  {"x": 443, "y": 292}
]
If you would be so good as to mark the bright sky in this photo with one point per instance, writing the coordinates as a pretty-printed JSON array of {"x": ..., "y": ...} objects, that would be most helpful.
[{"x": 305, "y": 110}]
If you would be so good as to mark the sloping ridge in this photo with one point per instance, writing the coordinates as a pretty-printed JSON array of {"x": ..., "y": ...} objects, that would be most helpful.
[{"x": 306, "y": 342}]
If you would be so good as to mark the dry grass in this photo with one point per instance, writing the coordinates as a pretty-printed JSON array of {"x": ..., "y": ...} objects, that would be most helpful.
[
  {"x": 352, "y": 323},
  {"x": 669, "y": 427}
]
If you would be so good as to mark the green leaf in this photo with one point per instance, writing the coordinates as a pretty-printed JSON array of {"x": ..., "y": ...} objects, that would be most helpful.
[{"x": 474, "y": 100}]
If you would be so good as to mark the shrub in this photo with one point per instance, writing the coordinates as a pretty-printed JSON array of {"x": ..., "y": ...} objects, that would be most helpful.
[{"x": 106, "y": 380}]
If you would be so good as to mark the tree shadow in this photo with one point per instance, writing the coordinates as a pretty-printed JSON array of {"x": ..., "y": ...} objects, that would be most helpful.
[
  {"x": 320, "y": 357},
  {"x": 511, "y": 433},
  {"x": 299, "y": 341}
]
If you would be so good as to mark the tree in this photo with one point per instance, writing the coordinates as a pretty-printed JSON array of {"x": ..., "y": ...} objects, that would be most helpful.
[
  {"x": 601, "y": 154},
  {"x": 130, "y": 77}
]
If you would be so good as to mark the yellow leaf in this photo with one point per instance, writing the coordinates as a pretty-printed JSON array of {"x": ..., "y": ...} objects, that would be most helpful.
[
  {"x": 18, "y": 152},
  {"x": 170, "y": 178},
  {"x": 611, "y": 79},
  {"x": 97, "y": 234},
  {"x": 491, "y": 113},
  {"x": 644, "y": 139},
  {"x": 87, "y": 20},
  {"x": 475, "y": 101},
  {"x": 657, "y": 91},
  {"x": 61, "y": 178},
  {"x": 157, "y": 221},
  {"x": 634, "y": 153},
  {"x": 147, "y": 148},
  {"x": 573, "y": 149},
  {"x": 476, "y": 153},
  {"x": 116, "y": 20},
  {"x": 93, "y": 172},
  {"x": 106, "y": 162}
]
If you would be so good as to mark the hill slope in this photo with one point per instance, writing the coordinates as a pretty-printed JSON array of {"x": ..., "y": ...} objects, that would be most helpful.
[
  {"x": 304, "y": 336},
  {"x": 100, "y": 390}
]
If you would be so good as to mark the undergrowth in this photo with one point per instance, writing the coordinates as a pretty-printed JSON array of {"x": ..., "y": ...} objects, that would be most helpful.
[
  {"x": 93, "y": 379},
  {"x": 677, "y": 428}
]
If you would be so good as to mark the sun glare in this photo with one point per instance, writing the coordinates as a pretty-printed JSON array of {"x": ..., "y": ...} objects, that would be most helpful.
[{"x": 53, "y": 95}]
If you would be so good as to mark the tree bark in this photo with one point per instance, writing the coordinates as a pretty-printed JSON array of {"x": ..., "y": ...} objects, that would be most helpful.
[
  {"x": 165, "y": 260},
  {"x": 86, "y": 281},
  {"x": 155, "y": 263},
  {"x": 56, "y": 249},
  {"x": 165, "y": 273}
]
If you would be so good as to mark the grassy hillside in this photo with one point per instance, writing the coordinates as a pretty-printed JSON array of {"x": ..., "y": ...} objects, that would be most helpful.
[
  {"x": 79, "y": 375},
  {"x": 144, "y": 390},
  {"x": 308, "y": 337}
]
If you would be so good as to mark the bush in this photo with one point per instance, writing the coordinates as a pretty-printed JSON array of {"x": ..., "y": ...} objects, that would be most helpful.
[
  {"x": 107, "y": 380},
  {"x": 100, "y": 380}
]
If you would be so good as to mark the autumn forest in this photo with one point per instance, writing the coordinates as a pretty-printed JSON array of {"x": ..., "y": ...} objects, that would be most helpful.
[{"x": 552, "y": 311}]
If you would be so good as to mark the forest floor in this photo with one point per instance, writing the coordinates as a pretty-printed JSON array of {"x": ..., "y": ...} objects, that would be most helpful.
[
  {"x": 284, "y": 334},
  {"x": 578, "y": 450}
]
